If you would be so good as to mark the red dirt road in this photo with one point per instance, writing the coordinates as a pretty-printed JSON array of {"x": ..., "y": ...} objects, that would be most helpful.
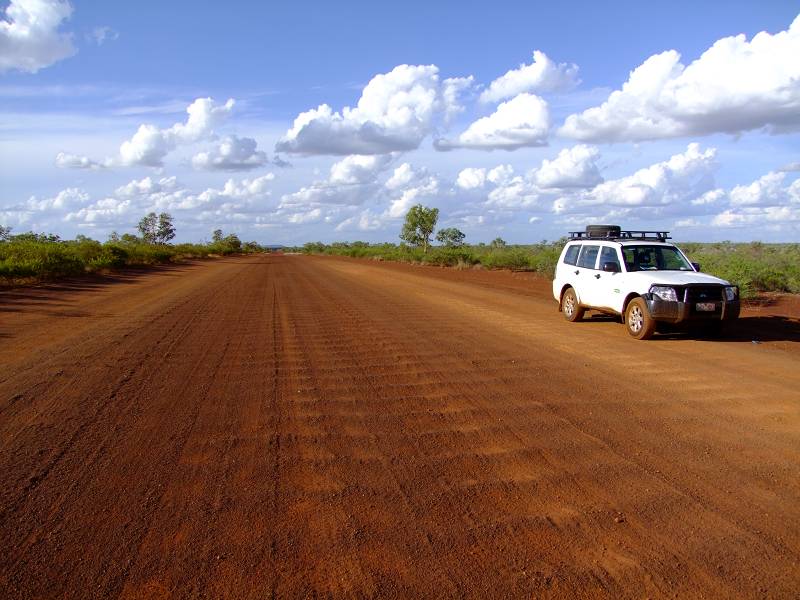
[{"x": 288, "y": 426}]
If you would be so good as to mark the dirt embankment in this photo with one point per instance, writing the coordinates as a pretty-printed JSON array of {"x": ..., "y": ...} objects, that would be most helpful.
[{"x": 294, "y": 426}]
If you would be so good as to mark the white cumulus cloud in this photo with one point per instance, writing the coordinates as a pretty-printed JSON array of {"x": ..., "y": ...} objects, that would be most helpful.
[
  {"x": 232, "y": 153},
  {"x": 350, "y": 182},
  {"x": 779, "y": 211},
  {"x": 452, "y": 89},
  {"x": 150, "y": 144},
  {"x": 63, "y": 200},
  {"x": 676, "y": 181},
  {"x": 767, "y": 190},
  {"x": 29, "y": 36},
  {"x": 395, "y": 112},
  {"x": 523, "y": 121},
  {"x": 571, "y": 184},
  {"x": 768, "y": 202},
  {"x": 473, "y": 178},
  {"x": 736, "y": 85},
  {"x": 574, "y": 167},
  {"x": 366, "y": 220},
  {"x": 542, "y": 75},
  {"x": 407, "y": 186},
  {"x": 146, "y": 185},
  {"x": 108, "y": 211},
  {"x": 65, "y": 160}
]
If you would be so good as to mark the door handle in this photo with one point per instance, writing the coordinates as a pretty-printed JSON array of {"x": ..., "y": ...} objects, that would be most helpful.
[
  {"x": 577, "y": 272},
  {"x": 597, "y": 276}
]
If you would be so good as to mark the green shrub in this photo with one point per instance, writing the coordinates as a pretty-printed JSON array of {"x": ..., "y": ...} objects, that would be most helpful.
[
  {"x": 754, "y": 267},
  {"x": 110, "y": 257},
  {"x": 35, "y": 256},
  {"x": 19, "y": 259}
]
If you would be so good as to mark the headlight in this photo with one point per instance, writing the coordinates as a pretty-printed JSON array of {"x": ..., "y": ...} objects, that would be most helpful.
[
  {"x": 731, "y": 291},
  {"x": 665, "y": 293}
]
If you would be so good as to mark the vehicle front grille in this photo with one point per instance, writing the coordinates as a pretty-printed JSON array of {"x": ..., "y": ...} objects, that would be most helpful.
[
  {"x": 695, "y": 294},
  {"x": 702, "y": 293}
]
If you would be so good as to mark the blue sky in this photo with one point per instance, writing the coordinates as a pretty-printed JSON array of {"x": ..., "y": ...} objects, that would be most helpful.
[{"x": 327, "y": 122}]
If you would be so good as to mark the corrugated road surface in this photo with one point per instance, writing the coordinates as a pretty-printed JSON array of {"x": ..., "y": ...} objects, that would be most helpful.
[{"x": 289, "y": 426}]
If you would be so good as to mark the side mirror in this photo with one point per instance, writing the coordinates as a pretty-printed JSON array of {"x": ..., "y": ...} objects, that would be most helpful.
[
  {"x": 611, "y": 267},
  {"x": 696, "y": 266}
]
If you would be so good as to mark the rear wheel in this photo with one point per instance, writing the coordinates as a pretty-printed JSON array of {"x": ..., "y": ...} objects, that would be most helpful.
[
  {"x": 638, "y": 320},
  {"x": 570, "y": 307}
]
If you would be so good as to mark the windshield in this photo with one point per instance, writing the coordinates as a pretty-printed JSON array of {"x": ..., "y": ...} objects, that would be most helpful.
[{"x": 654, "y": 258}]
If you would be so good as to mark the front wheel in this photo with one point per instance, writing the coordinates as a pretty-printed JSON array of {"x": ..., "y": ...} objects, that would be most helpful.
[
  {"x": 570, "y": 307},
  {"x": 638, "y": 320}
]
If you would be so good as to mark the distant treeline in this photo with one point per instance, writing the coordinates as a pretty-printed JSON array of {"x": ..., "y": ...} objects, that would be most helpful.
[
  {"x": 755, "y": 267},
  {"x": 30, "y": 257}
]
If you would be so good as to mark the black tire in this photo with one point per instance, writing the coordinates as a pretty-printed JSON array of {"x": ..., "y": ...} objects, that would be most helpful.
[
  {"x": 601, "y": 231},
  {"x": 570, "y": 307},
  {"x": 638, "y": 321}
]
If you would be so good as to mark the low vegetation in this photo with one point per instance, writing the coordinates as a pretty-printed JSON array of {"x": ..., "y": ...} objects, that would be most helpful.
[
  {"x": 754, "y": 267},
  {"x": 540, "y": 257},
  {"x": 30, "y": 257}
]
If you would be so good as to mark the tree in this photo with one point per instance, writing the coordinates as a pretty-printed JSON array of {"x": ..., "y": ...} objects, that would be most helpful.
[
  {"x": 166, "y": 230},
  {"x": 41, "y": 238},
  {"x": 5, "y": 233},
  {"x": 156, "y": 229},
  {"x": 148, "y": 227},
  {"x": 419, "y": 225},
  {"x": 232, "y": 242},
  {"x": 216, "y": 236},
  {"x": 498, "y": 243},
  {"x": 451, "y": 237}
]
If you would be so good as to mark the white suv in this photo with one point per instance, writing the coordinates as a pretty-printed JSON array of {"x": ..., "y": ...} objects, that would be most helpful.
[{"x": 641, "y": 277}]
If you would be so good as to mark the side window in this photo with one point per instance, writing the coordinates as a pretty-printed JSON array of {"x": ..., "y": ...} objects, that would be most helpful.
[
  {"x": 608, "y": 254},
  {"x": 588, "y": 257},
  {"x": 571, "y": 257}
]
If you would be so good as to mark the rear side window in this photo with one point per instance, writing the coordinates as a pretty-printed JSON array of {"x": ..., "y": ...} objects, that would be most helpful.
[
  {"x": 588, "y": 257},
  {"x": 571, "y": 257},
  {"x": 608, "y": 254}
]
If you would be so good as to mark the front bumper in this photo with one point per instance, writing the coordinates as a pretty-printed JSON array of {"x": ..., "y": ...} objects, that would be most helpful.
[{"x": 680, "y": 312}]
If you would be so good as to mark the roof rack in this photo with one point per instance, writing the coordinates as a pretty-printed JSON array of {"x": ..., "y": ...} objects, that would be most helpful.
[{"x": 657, "y": 236}]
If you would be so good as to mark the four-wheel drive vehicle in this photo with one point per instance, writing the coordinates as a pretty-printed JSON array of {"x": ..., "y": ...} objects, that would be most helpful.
[{"x": 641, "y": 277}]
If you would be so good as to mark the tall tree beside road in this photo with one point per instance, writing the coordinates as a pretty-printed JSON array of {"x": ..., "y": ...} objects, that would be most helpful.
[{"x": 419, "y": 225}]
